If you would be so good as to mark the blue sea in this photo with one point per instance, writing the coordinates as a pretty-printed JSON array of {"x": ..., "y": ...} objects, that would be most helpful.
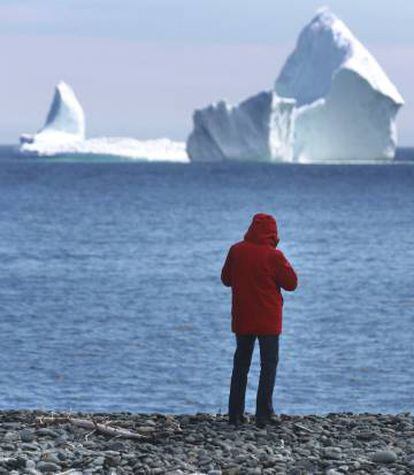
[{"x": 110, "y": 292}]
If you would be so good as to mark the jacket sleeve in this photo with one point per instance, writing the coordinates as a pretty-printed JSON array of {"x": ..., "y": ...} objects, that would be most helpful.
[
  {"x": 226, "y": 271},
  {"x": 286, "y": 277}
]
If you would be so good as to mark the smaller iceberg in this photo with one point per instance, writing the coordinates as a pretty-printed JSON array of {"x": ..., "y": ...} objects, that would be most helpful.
[
  {"x": 65, "y": 122},
  {"x": 64, "y": 135}
]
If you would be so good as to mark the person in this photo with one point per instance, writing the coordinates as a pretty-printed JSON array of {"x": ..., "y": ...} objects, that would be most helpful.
[{"x": 256, "y": 271}]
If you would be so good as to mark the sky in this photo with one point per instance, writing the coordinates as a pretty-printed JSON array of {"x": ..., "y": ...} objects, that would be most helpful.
[{"x": 141, "y": 67}]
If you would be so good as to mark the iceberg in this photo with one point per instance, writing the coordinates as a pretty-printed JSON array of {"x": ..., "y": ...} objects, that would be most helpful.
[
  {"x": 346, "y": 104},
  {"x": 163, "y": 149},
  {"x": 331, "y": 102},
  {"x": 258, "y": 128},
  {"x": 64, "y": 135},
  {"x": 65, "y": 122}
]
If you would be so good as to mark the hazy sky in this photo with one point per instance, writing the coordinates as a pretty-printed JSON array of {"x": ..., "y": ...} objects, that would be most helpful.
[{"x": 140, "y": 67}]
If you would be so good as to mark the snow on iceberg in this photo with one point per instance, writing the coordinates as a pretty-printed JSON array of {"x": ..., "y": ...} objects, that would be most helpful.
[
  {"x": 65, "y": 122},
  {"x": 346, "y": 103},
  {"x": 64, "y": 135},
  {"x": 337, "y": 103},
  {"x": 258, "y": 128}
]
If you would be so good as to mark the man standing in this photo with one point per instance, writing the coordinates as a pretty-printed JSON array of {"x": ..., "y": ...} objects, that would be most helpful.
[{"x": 256, "y": 272}]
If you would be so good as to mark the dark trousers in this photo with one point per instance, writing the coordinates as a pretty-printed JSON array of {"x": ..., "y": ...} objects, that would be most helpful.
[{"x": 269, "y": 357}]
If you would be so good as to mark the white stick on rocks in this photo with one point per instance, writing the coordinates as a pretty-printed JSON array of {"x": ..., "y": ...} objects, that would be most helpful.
[{"x": 95, "y": 426}]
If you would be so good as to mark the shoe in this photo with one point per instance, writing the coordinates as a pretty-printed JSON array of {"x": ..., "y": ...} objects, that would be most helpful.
[
  {"x": 237, "y": 421},
  {"x": 262, "y": 422},
  {"x": 274, "y": 420}
]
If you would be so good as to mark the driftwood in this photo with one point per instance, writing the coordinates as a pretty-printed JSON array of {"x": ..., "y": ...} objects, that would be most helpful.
[{"x": 95, "y": 426}]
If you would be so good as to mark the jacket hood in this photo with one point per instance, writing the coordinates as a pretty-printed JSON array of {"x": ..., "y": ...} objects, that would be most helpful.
[{"x": 262, "y": 230}]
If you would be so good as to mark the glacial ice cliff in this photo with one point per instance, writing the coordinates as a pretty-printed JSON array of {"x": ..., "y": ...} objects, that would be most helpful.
[{"x": 338, "y": 105}]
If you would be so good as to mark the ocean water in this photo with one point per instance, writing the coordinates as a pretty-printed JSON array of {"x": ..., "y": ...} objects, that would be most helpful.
[{"x": 110, "y": 293}]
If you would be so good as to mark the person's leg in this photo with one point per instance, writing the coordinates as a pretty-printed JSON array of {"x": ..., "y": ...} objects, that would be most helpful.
[
  {"x": 269, "y": 357},
  {"x": 241, "y": 364}
]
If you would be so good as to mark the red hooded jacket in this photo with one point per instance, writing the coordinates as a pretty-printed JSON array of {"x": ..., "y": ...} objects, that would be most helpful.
[{"x": 256, "y": 272}]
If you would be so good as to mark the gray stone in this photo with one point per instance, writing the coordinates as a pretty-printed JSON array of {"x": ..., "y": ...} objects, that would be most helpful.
[
  {"x": 30, "y": 446},
  {"x": 99, "y": 460},
  {"x": 332, "y": 452},
  {"x": 51, "y": 457},
  {"x": 30, "y": 464},
  {"x": 73, "y": 471},
  {"x": 11, "y": 425},
  {"x": 26, "y": 435},
  {"x": 10, "y": 436},
  {"x": 48, "y": 467},
  {"x": 384, "y": 456},
  {"x": 61, "y": 440},
  {"x": 8, "y": 447},
  {"x": 116, "y": 445},
  {"x": 240, "y": 458},
  {"x": 47, "y": 432},
  {"x": 365, "y": 435},
  {"x": 13, "y": 463}
]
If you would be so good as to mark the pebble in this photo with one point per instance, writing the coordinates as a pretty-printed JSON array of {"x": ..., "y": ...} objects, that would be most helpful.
[
  {"x": 332, "y": 452},
  {"x": 30, "y": 446},
  {"x": 48, "y": 467},
  {"x": 51, "y": 457},
  {"x": 30, "y": 464},
  {"x": 26, "y": 435},
  {"x": 384, "y": 456},
  {"x": 10, "y": 436},
  {"x": 47, "y": 432}
]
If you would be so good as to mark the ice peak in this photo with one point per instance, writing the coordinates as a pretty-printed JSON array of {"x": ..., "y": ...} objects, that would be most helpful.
[
  {"x": 62, "y": 85},
  {"x": 65, "y": 114},
  {"x": 324, "y": 46},
  {"x": 326, "y": 26},
  {"x": 65, "y": 121},
  {"x": 324, "y": 15}
]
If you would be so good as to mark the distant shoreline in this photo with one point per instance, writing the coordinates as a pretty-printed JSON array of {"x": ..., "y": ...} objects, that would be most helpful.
[{"x": 37, "y": 442}]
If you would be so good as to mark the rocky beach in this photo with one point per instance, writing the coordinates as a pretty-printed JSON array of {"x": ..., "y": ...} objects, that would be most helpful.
[{"x": 36, "y": 442}]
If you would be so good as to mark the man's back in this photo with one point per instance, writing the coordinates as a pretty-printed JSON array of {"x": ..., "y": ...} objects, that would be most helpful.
[{"x": 257, "y": 271}]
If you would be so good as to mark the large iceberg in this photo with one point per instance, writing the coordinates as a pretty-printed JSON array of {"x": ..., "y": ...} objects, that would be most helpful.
[
  {"x": 346, "y": 103},
  {"x": 331, "y": 102},
  {"x": 64, "y": 135}
]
